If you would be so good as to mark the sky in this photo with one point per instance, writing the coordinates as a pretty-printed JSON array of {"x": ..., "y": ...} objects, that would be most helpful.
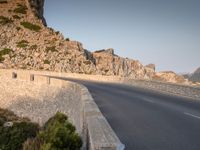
[{"x": 163, "y": 32}]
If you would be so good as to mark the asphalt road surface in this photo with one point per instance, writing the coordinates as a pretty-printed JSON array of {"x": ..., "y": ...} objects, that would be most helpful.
[{"x": 148, "y": 120}]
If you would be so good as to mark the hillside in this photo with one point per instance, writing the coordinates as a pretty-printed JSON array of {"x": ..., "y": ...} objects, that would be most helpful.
[
  {"x": 195, "y": 77},
  {"x": 27, "y": 43},
  {"x": 169, "y": 76}
]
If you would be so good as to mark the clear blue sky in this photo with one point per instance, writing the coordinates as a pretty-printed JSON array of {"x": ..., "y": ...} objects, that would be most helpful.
[{"x": 164, "y": 32}]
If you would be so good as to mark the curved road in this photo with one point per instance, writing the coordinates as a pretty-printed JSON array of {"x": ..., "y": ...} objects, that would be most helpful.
[{"x": 148, "y": 120}]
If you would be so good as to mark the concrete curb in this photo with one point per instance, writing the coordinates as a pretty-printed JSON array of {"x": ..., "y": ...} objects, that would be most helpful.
[{"x": 100, "y": 134}]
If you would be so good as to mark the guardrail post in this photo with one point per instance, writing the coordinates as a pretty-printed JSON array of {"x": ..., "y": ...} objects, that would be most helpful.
[
  {"x": 48, "y": 80},
  {"x": 14, "y": 75},
  {"x": 32, "y": 77}
]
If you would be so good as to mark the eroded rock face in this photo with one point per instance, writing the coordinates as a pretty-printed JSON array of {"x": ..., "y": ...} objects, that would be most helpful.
[
  {"x": 31, "y": 45},
  {"x": 34, "y": 46},
  {"x": 38, "y": 8},
  {"x": 26, "y": 43},
  {"x": 107, "y": 63}
]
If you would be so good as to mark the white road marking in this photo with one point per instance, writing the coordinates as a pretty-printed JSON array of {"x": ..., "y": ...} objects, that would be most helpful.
[
  {"x": 191, "y": 115},
  {"x": 148, "y": 100}
]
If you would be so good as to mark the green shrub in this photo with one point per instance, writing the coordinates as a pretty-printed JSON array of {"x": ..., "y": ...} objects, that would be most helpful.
[
  {"x": 3, "y": 52},
  {"x": 3, "y": 1},
  {"x": 51, "y": 29},
  {"x": 51, "y": 48},
  {"x": 5, "y": 20},
  {"x": 32, "y": 144},
  {"x": 22, "y": 44},
  {"x": 16, "y": 17},
  {"x": 67, "y": 39},
  {"x": 31, "y": 26},
  {"x": 6, "y": 115},
  {"x": 59, "y": 134},
  {"x": 33, "y": 47},
  {"x": 21, "y": 9},
  {"x": 13, "y": 137},
  {"x": 47, "y": 62},
  {"x": 57, "y": 32},
  {"x": 18, "y": 28},
  {"x": 99, "y": 51}
]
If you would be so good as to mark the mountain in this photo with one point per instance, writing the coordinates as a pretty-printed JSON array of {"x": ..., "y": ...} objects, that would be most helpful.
[
  {"x": 27, "y": 43},
  {"x": 195, "y": 77}
]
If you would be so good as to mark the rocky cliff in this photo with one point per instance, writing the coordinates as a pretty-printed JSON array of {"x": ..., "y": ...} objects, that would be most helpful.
[
  {"x": 107, "y": 63},
  {"x": 26, "y": 43},
  {"x": 37, "y": 7}
]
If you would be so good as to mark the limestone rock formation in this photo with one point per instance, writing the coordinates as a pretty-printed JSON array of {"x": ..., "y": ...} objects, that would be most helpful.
[
  {"x": 151, "y": 66},
  {"x": 169, "y": 76},
  {"x": 107, "y": 63},
  {"x": 37, "y": 7},
  {"x": 26, "y": 43}
]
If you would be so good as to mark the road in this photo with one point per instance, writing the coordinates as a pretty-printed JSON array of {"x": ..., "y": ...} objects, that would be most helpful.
[{"x": 147, "y": 120}]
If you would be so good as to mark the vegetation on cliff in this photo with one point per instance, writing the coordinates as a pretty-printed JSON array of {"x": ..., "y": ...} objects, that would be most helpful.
[
  {"x": 31, "y": 26},
  {"x": 21, "y": 9},
  {"x": 4, "y": 52},
  {"x": 22, "y": 44},
  {"x": 3, "y": 1},
  {"x": 5, "y": 20}
]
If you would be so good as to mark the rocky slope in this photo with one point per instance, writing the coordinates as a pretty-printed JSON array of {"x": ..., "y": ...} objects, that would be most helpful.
[
  {"x": 195, "y": 76},
  {"x": 170, "y": 76},
  {"x": 26, "y": 43}
]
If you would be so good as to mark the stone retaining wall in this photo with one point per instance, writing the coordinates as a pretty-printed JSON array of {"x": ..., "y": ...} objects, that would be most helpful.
[
  {"x": 176, "y": 89},
  {"x": 30, "y": 94}
]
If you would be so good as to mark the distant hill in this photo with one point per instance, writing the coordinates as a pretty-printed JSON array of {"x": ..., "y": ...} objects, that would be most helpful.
[{"x": 195, "y": 77}]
